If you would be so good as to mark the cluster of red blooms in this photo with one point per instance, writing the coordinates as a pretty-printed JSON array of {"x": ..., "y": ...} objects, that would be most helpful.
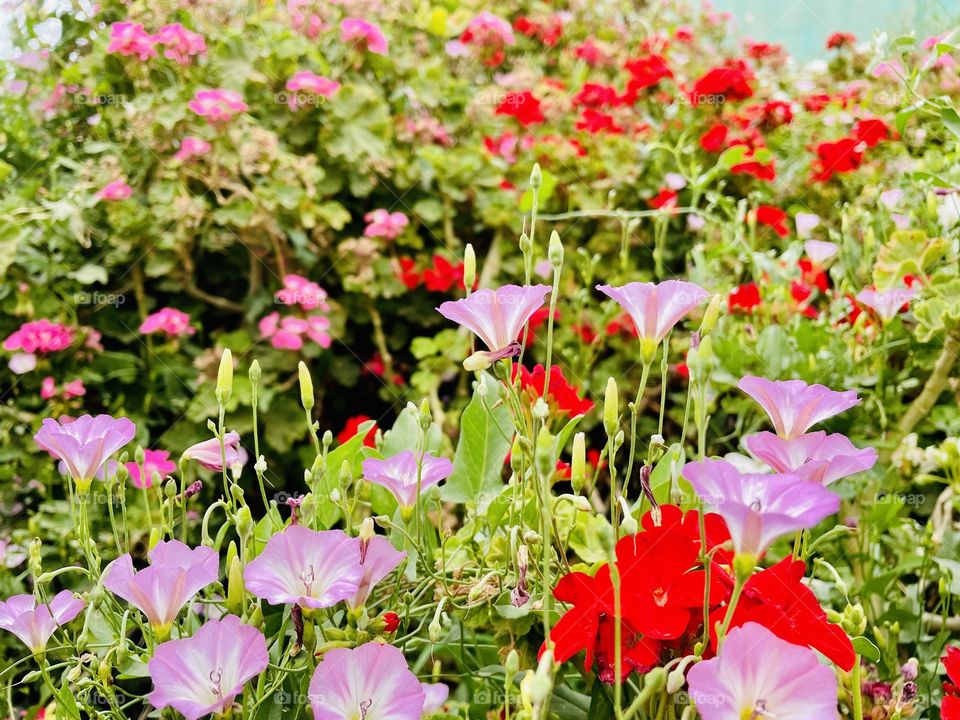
[
  {"x": 440, "y": 276},
  {"x": 663, "y": 586},
  {"x": 813, "y": 282},
  {"x": 547, "y": 31},
  {"x": 846, "y": 154},
  {"x": 561, "y": 395}
]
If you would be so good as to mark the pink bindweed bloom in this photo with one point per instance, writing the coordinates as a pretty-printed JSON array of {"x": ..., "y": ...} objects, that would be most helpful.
[
  {"x": 385, "y": 224},
  {"x": 35, "y": 624},
  {"x": 759, "y": 508},
  {"x": 378, "y": 559},
  {"x": 759, "y": 675},
  {"x": 435, "y": 696},
  {"x": 815, "y": 456},
  {"x": 309, "y": 568},
  {"x": 180, "y": 44},
  {"x": 115, "y": 190},
  {"x": 886, "y": 303},
  {"x": 303, "y": 84},
  {"x": 655, "y": 308},
  {"x": 806, "y": 222},
  {"x": 820, "y": 250},
  {"x": 497, "y": 317},
  {"x": 208, "y": 455},
  {"x": 203, "y": 674},
  {"x": 399, "y": 474},
  {"x": 170, "y": 321},
  {"x": 217, "y": 105},
  {"x": 191, "y": 147},
  {"x": 366, "y": 33},
  {"x": 891, "y": 198},
  {"x": 793, "y": 406},
  {"x": 127, "y": 38},
  {"x": 154, "y": 461},
  {"x": 297, "y": 290},
  {"x": 371, "y": 682},
  {"x": 488, "y": 29},
  {"x": 85, "y": 444},
  {"x": 175, "y": 575}
]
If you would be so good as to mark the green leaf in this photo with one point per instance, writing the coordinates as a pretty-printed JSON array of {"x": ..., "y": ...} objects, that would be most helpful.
[
  {"x": 89, "y": 274},
  {"x": 863, "y": 647}
]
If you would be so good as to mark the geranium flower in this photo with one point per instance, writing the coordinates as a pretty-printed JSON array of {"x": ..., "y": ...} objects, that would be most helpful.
[
  {"x": 378, "y": 558},
  {"x": 655, "y": 308},
  {"x": 815, "y": 456},
  {"x": 40, "y": 336},
  {"x": 721, "y": 84},
  {"x": 950, "y": 705},
  {"x": 399, "y": 474},
  {"x": 523, "y": 106},
  {"x": 298, "y": 290},
  {"x": 594, "y": 121},
  {"x": 715, "y": 138},
  {"x": 443, "y": 275},
  {"x": 871, "y": 131},
  {"x": 758, "y": 675},
  {"x": 370, "y": 681},
  {"x": 548, "y": 32},
  {"x": 169, "y": 321},
  {"x": 596, "y": 95},
  {"x": 175, "y": 575},
  {"x": 385, "y": 224},
  {"x": 744, "y": 298},
  {"x": 666, "y": 199},
  {"x": 191, "y": 147},
  {"x": 180, "y": 44},
  {"x": 843, "y": 156},
  {"x": 368, "y": 34},
  {"x": 309, "y": 568},
  {"x": 352, "y": 426},
  {"x": 202, "y": 674},
  {"x": 154, "y": 461},
  {"x": 217, "y": 105},
  {"x": 794, "y": 406},
  {"x": 304, "y": 81},
  {"x": 207, "y": 453},
  {"x": 758, "y": 509},
  {"x": 128, "y": 38},
  {"x": 85, "y": 444},
  {"x": 774, "y": 218},
  {"x": 491, "y": 34},
  {"x": 645, "y": 72},
  {"x": 886, "y": 303},
  {"x": 563, "y": 396},
  {"x": 841, "y": 39},
  {"x": 115, "y": 190},
  {"x": 35, "y": 624}
]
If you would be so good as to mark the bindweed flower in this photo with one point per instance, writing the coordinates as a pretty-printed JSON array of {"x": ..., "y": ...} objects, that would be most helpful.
[
  {"x": 806, "y": 223},
  {"x": 115, "y": 190},
  {"x": 371, "y": 682},
  {"x": 378, "y": 558},
  {"x": 217, "y": 105},
  {"x": 758, "y": 508},
  {"x": 435, "y": 696},
  {"x": 497, "y": 316},
  {"x": 170, "y": 321},
  {"x": 815, "y": 456},
  {"x": 207, "y": 453},
  {"x": 365, "y": 33},
  {"x": 399, "y": 473},
  {"x": 758, "y": 675},
  {"x": 655, "y": 309},
  {"x": 820, "y": 251},
  {"x": 793, "y": 406},
  {"x": 191, "y": 147},
  {"x": 35, "y": 624},
  {"x": 886, "y": 303},
  {"x": 203, "y": 674},
  {"x": 309, "y": 568},
  {"x": 85, "y": 444},
  {"x": 21, "y": 363},
  {"x": 176, "y": 573}
]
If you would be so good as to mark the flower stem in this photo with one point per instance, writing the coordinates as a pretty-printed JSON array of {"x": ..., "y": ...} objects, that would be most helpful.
[
  {"x": 855, "y": 690},
  {"x": 634, "y": 410}
]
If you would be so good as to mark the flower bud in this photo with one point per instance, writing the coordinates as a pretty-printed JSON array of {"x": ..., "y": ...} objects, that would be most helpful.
[
  {"x": 712, "y": 314},
  {"x": 244, "y": 523},
  {"x": 469, "y": 267},
  {"x": 306, "y": 387},
  {"x": 629, "y": 523},
  {"x": 477, "y": 362},
  {"x": 254, "y": 372},
  {"x": 543, "y": 679},
  {"x": 511, "y": 665},
  {"x": 555, "y": 250},
  {"x": 546, "y": 463},
  {"x": 536, "y": 176},
  {"x": 525, "y": 245},
  {"x": 611, "y": 408},
  {"x": 225, "y": 377},
  {"x": 677, "y": 677},
  {"x": 235, "y": 587},
  {"x": 854, "y": 620},
  {"x": 578, "y": 464},
  {"x": 139, "y": 455},
  {"x": 154, "y": 538}
]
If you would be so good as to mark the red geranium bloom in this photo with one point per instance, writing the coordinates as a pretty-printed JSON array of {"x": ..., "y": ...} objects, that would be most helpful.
[
  {"x": 773, "y": 217},
  {"x": 762, "y": 50},
  {"x": 950, "y": 707},
  {"x": 771, "y": 114},
  {"x": 589, "y": 52},
  {"x": 715, "y": 139},
  {"x": 561, "y": 393},
  {"x": 730, "y": 81},
  {"x": 872, "y": 131},
  {"x": 594, "y": 121},
  {"x": 816, "y": 103},
  {"x": 443, "y": 275},
  {"x": 761, "y": 171},
  {"x": 391, "y": 621},
  {"x": 523, "y": 106},
  {"x": 645, "y": 72},
  {"x": 596, "y": 95},
  {"x": 840, "y": 39},
  {"x": 548, "y": 32},
  {"x": 844, "y": 155},
  {"x": 813, "y": 274},
  {"x": 664, "y": 199},
  {"x": 801, "y": 293},
  {"x": 777, "y": 599},
  {"x": 352, "y": 426},
  {"x": 744, "y": 299},
  {"x": 408, "y": 274}
]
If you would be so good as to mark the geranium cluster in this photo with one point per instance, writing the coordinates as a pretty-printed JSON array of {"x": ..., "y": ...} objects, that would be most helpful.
[{"x": 287, "y": 332}]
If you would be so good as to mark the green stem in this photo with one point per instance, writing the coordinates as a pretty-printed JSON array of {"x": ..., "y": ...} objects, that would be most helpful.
[
  {"x": 855, "y": 690},
  {"x": 634, "y": 410}
]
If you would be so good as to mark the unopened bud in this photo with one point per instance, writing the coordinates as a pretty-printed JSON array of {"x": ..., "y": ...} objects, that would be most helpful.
[
  {"x": 578, "y": 464},
  {"x": 712, "y": 314},
  {"x": 235, "y": 587},
  {"x": 677, "y": 677},
  {"x": 477, "y": 362},
  {"x": 225, "y": 377},
  {"x": 536, "y": 176},
  {"x": 611, "y": 408},
  {"x": 544, "y": 458},
  {"x": 525, "y": 245},
  {"x": 306, "y": 387},
  {"x": 512, "y": 664},
  {"x": 555, "y": 250},
  {"x": 255, "y": 372},
  {"x": 469, "y": 267}
]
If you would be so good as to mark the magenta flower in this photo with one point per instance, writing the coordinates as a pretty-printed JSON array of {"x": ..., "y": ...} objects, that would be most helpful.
[
  {"x": 127, "y": 38},
  {"x": 370, "y": 682},
  {"x": 398, "y": 474},
  {"x": 655, "y": 309},
  {"x": 154, "y": 461},
  {"x": 793, "y": 406},
  {"x": 366, "y": 33},
  {"x": 84, "y": 444},
  {"x": 168, "y": 320},
  {"x": 217, "y": 105},
  {"x": 200, "y": 675},
  {"x": 115, "y": 190},
  {"x": 758, "y": 675},
  {"x": 497, "y": 316},
  {"x": 814, "y": 456},
  {"x": 35, "y": 624},
  {"x": 378, "y": 560},
  {"x": 207, "y": 453},
  {"x": 385, "y": 224},
  {"x": 40, "y": 336},
  {"x": 488, "y": 29},
  {"x": 305, "y": 86},
  {"x": 758, "y": 509},
  {"x": 191, "y": 147},
  {"x": 176, "y": 573},
  {"x": 886, "y": 303},
  {"x": 48, "y": 388},
  {"x": 180, "y": 44},
  {"x": 309, "y": 568},
  {"x": 297, "y": 290}
]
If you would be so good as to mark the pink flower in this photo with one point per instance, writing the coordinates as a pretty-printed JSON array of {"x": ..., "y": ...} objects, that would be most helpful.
[
  {"x": 317, "y": 326},
  {"x": 73, "y": 389},
  {"x": 176, "y": 573},
  {"x": 655, "y": 309},
  {"x": 35, "y": 624},
  {"x": 191, "y": 147},
  {"x": 758, "y": 509},
  {"x": 488, "y": 29},
  {"x": 181, "y": 44},
  {"x": 203, "y": 674},
  {"x": 115, "y": 190},
  {"x": 435, "y": 696},
  {"x": 208, "y": 455},
  {"x": 399, "y": 473},
  {"x": 154, "y": 461},
  {"x": 309, "y": 568},
  {"x": 21, "y": 363},
  {"x": 40, "y": 336},
  {"x": 353, "y": 28},
  {"x": 304, "y": 81},
  {"x": 820, "y": 251},
  {"x": 297, "y": 290},
  {"x": 127, "y": 38},
  {"x": 814, "y": 456},
  {"x": 886, "y": 303},
  {"x": 85, "y": 444},
  {"x": 806, "y": 222},
  {"x": 385, "y": 224},
  {"x": 793, "y": 406},
  {"x": 168, "y": 320},
  {"x": 372, "y": 680},
  {"x": 217, "y": 105},
  {"x": 378, "y": 559},
  {"x": 48, "y": 388},
  {"x": 758, "y": 675}
]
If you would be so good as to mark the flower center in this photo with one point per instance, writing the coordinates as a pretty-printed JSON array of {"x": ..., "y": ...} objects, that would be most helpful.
[
  {"x": 756, "y": 505},
  {"x": 216, "y": 677},
  {"x": 308, "y": 577},
  {"x": 757, "y": 712},
  {"x": 660, "y": 597},
  {"x": 365, "y": 708}
]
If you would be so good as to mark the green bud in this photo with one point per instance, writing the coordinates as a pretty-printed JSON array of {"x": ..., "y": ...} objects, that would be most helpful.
[
  {"x": 256, "y": 617},
  {"x": 555, "y": 250},
  {"x": 611, "y": 408},
  {"x": 712, "y": 314},
  {"x": 469, "y": 267},
  {"x": 225, "y": 377},
  {"x": 477, "y": 362},
  {"x": 169, "y": 488},
  {"x": 346, "y": 475},
  {"x": 536, "y": 176},
  {"x": 254, "y": 372},
  {"x": 511, "y": 665},
  {"x": 426, "y": 417},
  {"x": 546, "y": 463},
  {"x": 578, "y": 465},
  {"x": 154, "y": 538},
  {"x": 244, "y": 523},
  {"x": 231, "y": 553},
  {"x": 235, "y": 587},
  {"x": 306, "y": 387},
  {"x": 743, "y": 565},
  {"x": 854, "y": 620},
  {"x": 139, "y": 455},
  {"x": 525, "y": 245}
]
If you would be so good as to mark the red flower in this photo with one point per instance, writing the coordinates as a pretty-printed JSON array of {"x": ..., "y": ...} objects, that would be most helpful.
[
  {"x": 844, "y": 155},
  {"x": 773, "y": 217},
  {"x": 594, "y": 121},
  {"x": 589, "y": 52},
  {"x": 771, "y": 114},
  {"x": 950, "y": 707},
  {"x": 665, "y": 199},
  {"x": 801, "y": 293},
  {"x": 813, "y": 274},
  {"x": 762, "y": 50},
  {"x": 536, "y": 321},
  {"x": 408, "y": 274},
  {"x": 816, "y": 103},
  {"x": 548, "y": 32},
  {"x": 523, "y": 106},
  {"x": 841, "y": 39},
  {"x": 391, "y": 621},
  {"x": 744, "y": 299},
  {"x": 871, "y": 131},
  {"x": 596, "y": 95},
  {"x": 761, "y": 171},
  {"x": 443, "y": 275},
  {"x": 721, "y": 84},
  {"x": 562, "y": 395},
  {"x": 645, "y": 72},
  {"x": 352, "y": 426},
  {"x": 715, "y": 139}
]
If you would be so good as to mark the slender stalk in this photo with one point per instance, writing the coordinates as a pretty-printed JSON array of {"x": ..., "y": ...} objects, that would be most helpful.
[
  {"x": 634, "y": 410},
  {"x": 855, "y": 690}
]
